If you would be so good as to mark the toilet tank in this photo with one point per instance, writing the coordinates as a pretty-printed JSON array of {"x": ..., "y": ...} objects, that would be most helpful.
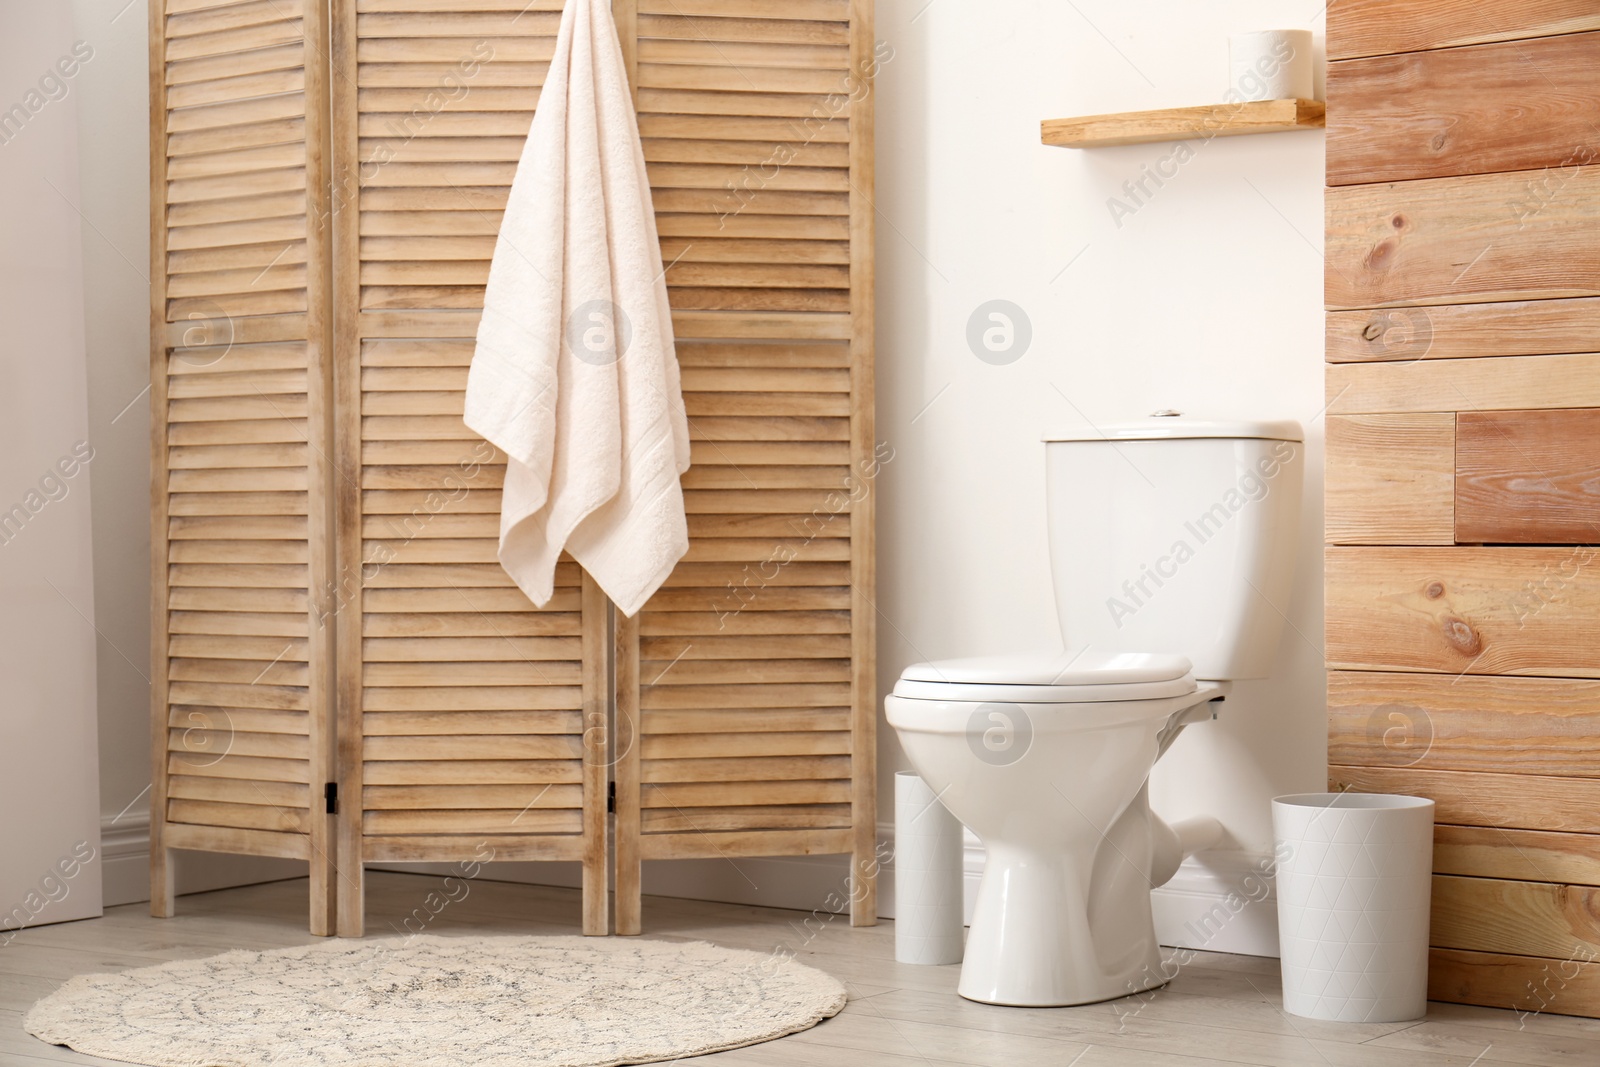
[{"x": 1176, "y": 535}]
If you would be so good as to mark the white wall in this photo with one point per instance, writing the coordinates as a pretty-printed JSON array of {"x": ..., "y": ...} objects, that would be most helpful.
[
  {"x": 49, "y": 833},
  {"x": 113, "y": 119},
  {"x": 1207, "y": 299}
]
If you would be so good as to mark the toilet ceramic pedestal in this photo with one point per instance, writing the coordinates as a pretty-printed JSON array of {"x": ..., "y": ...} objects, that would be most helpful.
[{"x": 1032, "y": 942}]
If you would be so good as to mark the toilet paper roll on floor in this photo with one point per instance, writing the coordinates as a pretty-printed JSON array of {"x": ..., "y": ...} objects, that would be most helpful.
[
  {"x": 928, "y": 880},
  {"x": 1270, "y": 65}
]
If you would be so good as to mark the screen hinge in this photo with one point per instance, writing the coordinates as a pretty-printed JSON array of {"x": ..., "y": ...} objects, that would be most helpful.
[{"x": 330, "y": 793}]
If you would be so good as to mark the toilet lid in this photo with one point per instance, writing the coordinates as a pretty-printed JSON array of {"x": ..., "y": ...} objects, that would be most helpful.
[{"x": 1059, "y": 678}]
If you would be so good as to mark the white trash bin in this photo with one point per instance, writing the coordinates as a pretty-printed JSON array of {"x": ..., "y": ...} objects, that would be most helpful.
[{"x": 1355, "y": 873}]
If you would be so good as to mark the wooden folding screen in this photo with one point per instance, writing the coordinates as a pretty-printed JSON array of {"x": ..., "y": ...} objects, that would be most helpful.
[
  {"x": 347, "y": 176},
  {"x": 1463, "y": 288}
]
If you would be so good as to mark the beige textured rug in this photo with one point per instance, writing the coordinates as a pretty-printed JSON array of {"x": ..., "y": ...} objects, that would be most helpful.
[{"x": 440, "y": 1002}]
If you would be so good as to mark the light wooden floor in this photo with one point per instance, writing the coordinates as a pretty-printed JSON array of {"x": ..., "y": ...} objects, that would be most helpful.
[{"x": 1219, "y": 1010}]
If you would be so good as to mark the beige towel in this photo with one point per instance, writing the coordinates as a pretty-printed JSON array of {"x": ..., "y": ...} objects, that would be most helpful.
[{"x": 574, "y": 376}]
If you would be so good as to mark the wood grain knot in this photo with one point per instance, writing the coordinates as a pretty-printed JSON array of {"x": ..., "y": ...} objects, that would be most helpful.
[
  {"x": 1435, "y": 590},
  {"x": 1398, "y": 222},
  {"x": 1374, "y": 330},
  {"x": 1381, "y": 254},
  {"x": 1439, "y": 141},
  {"x": 1461, "y": 636}
]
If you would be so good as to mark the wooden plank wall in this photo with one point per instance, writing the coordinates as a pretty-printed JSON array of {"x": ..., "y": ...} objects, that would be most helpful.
[
  {"x": 240, "y": 409},
  {"x": 1463, "y": 481}
]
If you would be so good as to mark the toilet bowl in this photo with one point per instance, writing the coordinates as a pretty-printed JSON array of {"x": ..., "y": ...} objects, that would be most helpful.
[
  {"x": 1172, "y": 554},
  {"x": 1045, "y": 760}
]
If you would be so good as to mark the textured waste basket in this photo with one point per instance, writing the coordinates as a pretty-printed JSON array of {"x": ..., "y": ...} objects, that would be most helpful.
[{"x": 1355, "y": 873}]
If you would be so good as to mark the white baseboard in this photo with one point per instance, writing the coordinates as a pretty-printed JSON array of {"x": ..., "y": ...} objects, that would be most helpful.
[
  {"x": 125, "y": 864},
  {"x": 803, "y": 883},
  {"x": 1217, "y": 901}
]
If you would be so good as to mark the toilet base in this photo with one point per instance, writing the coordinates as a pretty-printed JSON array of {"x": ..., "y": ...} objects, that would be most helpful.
[
  {"x": 1059, "y": 926},
  {"x": 1038, "y": 982}
]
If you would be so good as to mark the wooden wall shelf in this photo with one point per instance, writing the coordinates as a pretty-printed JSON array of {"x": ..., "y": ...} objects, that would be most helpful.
[{"x": 1183, "y": 123}]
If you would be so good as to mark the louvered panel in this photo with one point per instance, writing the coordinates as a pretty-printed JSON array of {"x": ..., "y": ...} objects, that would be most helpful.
[
  {"x": 239, "y": 377},
  {"x": 747, "y": 679},
  {"x": 469, "y": 711}
]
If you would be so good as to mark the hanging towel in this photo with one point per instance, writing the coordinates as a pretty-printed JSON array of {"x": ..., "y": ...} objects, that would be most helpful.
[{"x": 574, "y": 376}]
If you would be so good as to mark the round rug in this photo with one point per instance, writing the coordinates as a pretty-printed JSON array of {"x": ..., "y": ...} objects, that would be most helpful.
[{"x": 429, "y": 1001}]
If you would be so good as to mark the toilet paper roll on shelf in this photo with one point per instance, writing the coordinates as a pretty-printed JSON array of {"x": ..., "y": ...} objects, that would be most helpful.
[
  {"x": 927, "y": 876},
  {"x": 1270, "y": 65}
]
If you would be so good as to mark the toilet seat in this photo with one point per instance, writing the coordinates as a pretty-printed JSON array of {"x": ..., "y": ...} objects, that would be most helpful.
[{"x": 1059, "y": 678}]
